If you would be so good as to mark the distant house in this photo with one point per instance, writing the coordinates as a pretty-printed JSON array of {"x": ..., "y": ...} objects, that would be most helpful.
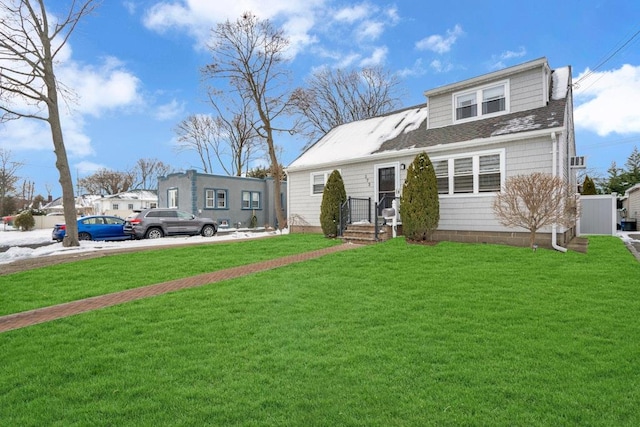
[
  {"x": 84, "y": 205},
  {"x": 125, "y": 203},
  {"x": 631, "y": 207},
  {"x": 477, "y": 133},
  {"x": 231, "y": 201}
]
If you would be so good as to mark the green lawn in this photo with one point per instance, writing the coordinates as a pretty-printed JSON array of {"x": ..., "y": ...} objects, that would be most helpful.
[
  {"x": 83, "y": 279},
  {"x": 390, "y": 334}
]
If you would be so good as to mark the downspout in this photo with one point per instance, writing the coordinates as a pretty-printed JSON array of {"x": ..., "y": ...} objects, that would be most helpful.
[{"x": 554, "y": 163}]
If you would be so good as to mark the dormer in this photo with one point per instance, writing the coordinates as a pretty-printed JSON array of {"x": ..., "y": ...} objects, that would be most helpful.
[{"x": 514, "y": 89}]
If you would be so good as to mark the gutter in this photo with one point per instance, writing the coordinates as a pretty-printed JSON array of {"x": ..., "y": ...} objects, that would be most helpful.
[{"x": 554, "y": 162}]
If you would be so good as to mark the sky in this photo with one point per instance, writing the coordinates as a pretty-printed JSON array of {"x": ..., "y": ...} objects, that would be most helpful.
[{"x": 133, "y": 69}]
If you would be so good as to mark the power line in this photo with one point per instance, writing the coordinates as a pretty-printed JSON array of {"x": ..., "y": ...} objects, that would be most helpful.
[{"x": 606, "y": 59}]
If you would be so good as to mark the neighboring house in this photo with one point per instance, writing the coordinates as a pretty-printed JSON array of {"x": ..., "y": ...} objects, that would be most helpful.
[
  {"x": 631, "y": 205},
  {"x": 231, "y": 201},
  {"x": 125, "y": 203},
  {"x": 477, "y": 133},
  {"x": 84, "y": 205}
]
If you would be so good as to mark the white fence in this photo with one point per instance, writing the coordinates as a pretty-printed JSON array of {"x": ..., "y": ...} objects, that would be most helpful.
[{"x": 598, "y": 214}]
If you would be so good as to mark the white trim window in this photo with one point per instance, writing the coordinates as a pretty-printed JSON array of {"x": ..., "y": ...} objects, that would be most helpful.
[
  {"x": 318, "y": 181},
  {"x": 250, "y": 200},
  {"x": 215, "y": 199},
  {"x": 172, "y": 198},
  {"x": 494, "y": 98},
  {"x": 441, "y": 168},
  {"x": 475, "y": 173}
]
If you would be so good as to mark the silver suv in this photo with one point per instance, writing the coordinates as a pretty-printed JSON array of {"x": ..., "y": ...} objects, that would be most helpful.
[{"x": 155, "y": 223}]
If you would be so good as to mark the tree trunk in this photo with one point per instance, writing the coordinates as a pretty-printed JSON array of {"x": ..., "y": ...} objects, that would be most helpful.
[
  {"x": 62, "y": 162},
  {"x": 275, "y": 167}
]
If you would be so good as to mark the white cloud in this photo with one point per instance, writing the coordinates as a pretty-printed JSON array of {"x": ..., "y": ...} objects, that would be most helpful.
[
  {"x": 416, "y": 70},
  {"x": 604, "y": 101},
  {"x": 101, "y": 88},
  {"x": 370, "y": 30},
  {"x": 197, "y": 17},
  {"x": 85, "y": 168},
  {"x": 353, "y": 14},
  {"x": 440, "y": 67},
  {"x": 438, "y": 43},
  {"x": 378, "y": 57},
  {"x": 130, "y": 6},
  {"x": 170, "y": 111},
  {"x": 498, "y": 62}
]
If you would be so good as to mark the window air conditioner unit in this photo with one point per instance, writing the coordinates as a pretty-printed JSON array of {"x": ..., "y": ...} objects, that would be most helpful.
[{"x": 577, "y": 162}]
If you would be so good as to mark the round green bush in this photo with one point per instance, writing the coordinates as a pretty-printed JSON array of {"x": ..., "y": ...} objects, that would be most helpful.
[{"x": 24, "y": 221}]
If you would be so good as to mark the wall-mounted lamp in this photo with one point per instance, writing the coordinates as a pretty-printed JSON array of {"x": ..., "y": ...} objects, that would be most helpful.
[{"x": 403, "y": 166}]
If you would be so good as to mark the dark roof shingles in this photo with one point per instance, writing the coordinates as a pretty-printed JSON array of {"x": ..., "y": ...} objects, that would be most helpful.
[{"x": 547, "y": 117}]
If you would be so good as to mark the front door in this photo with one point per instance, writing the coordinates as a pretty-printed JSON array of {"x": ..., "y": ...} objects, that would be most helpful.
[{"x": 387, "y": 185}]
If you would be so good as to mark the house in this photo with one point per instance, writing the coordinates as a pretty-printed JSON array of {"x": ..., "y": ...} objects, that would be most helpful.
[
  {"x": 631, "y": 209},
  {"x": 84, "y": 205},
  {"x": 232, "y": 201},
  {"x": 477, "y": 133},
  {"x": 125, "y": 203}
]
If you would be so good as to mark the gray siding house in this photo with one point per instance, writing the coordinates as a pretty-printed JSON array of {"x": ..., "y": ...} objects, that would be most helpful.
[
  {"x": 477, "y": 133},
  {"x": 229, "y": 200}
]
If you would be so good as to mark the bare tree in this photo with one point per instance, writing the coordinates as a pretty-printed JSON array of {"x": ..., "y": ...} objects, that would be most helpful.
[
  {"x": 147, "y": 171},
  {"x": 238, "y": 133},
  {"x": 29, "y": 45},
  {"x": 198, "y": 133},
  {"x": 248, "y": 54},
  {"x": 335, "y": 97},
  {"x": 535, "y": 201},
  {"x": 8, "y": 175},
  {"x": 107, "y": 181}
]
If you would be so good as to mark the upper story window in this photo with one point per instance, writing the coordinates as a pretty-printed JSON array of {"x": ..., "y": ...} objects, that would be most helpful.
[{"x": 494, "y": 100}]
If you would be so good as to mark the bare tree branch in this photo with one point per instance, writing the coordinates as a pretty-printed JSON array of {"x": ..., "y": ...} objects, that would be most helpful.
[
  {"x": 535, "y": 201},
  {"x": 335, "y": 97},
  {"x": 28, "y": 85}
]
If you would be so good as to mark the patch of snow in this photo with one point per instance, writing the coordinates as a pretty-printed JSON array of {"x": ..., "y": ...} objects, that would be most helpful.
[
  {"x": 17, "y": 240},
  {"x": 560, "y": 83},
  {"x": 360, "y": 138},
  {"x": 517, "y": 125}
]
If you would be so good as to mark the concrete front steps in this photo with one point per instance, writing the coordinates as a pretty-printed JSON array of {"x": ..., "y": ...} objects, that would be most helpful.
[{"x": 364, "y": 234}]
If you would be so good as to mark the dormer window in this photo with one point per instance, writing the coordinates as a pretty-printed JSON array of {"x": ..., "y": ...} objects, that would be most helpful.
[
  {"x": 494, "y": 101},
  {"x": 466, "y": 106}
]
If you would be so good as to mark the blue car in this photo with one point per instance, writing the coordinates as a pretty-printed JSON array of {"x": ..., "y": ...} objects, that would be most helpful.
[{"x": 96, "y": 227}]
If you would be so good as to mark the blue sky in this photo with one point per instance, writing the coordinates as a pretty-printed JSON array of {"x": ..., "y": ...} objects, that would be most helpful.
[{"x": 134, "y": 68}]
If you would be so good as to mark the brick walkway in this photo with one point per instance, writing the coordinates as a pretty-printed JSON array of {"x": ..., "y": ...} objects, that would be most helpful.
[{"x": 46, "y": 314}]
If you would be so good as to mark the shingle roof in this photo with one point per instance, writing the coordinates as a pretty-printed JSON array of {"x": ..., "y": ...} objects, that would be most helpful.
[{"x": 548, "y": 117}]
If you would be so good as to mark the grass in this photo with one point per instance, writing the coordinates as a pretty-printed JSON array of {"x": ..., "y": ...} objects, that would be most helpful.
[
  {"x": 391, "y": 334},
  {"x": 83, "y": 279}
]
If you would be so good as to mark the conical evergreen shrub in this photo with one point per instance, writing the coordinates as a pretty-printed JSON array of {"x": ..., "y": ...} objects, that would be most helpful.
[
  {"x": 588, "y": 187},
  {"x": 333, "y": 196},
  {"x": 419, "y": 204}
]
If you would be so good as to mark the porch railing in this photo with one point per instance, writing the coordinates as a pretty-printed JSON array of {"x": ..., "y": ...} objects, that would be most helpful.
[{"x": 354, "y": 210}]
